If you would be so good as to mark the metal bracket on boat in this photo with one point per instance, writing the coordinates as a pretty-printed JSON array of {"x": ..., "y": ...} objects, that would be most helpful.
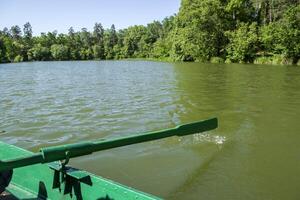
[
  {"x": 5, "y": 178},
  {"x": 69, "y": 177}
]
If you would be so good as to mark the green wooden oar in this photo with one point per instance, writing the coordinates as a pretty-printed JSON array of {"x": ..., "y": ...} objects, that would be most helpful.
[{"x": 65, "y": 152}]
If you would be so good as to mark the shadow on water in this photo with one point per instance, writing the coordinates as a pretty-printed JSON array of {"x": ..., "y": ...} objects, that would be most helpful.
[{"x": 202, "y": 169}]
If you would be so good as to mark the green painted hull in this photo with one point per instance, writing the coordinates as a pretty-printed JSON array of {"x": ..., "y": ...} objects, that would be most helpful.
[{"x": 36, "y": 182}]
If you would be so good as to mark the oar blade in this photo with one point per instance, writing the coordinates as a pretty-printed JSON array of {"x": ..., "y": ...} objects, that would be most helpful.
[{"x": 197, "y": 127}]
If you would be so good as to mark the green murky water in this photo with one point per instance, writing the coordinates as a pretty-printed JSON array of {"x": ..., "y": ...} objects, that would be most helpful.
[{"x": 254, "y": 154}]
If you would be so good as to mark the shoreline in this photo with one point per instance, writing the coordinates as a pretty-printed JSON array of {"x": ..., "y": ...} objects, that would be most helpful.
[{"x": 214, "y": 60}]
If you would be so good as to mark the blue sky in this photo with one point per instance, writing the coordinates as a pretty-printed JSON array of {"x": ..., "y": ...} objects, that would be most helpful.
[{"x": 49, "y": 15}]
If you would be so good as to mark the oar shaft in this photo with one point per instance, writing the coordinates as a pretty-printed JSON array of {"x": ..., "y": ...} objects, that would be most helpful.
[
  {"x": 55, "y": 153},
  {"x": 21, "y": 162}
]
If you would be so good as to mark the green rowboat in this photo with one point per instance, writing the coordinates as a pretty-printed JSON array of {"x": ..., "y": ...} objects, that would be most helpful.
[{"x": 46, "y": 175}]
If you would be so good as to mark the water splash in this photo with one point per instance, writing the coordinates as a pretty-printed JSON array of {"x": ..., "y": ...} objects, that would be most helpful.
[{"x": 204, "y": 138}]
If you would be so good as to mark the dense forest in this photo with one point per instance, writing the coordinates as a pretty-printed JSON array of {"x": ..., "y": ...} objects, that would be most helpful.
[{"x": 243, "y": 31}]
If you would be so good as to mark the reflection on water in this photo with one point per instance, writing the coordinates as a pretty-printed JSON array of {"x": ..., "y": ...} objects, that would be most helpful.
[{"x": 254, "y": 153}]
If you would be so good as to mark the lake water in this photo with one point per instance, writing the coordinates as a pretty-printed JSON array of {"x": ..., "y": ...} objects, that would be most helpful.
[{"x": 254, "y": 154}]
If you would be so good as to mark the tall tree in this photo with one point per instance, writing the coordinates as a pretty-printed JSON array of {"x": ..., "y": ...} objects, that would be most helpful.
[
  {"x": 71, "y": 32},
  {"x": 98, "y": 48},
  {"x": 27, "y": 31},
  {"x": 111, "y": 39},
  {"x": 16, "y": 32},
  {"x": 198, "y": 34},
  {"x": 5, "y": 32},
  {"x": 2, "y": 51},
  {"x": 98, "y": 32}
]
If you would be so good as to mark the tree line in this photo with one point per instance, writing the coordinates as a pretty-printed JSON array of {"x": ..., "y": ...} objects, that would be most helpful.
[{"x": 242, "y": 31}]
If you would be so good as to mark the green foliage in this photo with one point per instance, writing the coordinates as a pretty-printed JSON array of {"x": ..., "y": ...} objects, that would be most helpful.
[
  {"x": 2, "y": 51},
  {"x": 86, "y": 54},
  {"x": 263, "y": 31},
  {"x": 273, "y": 60},
  {"x": 27, "y": 30},
  {"x": 13, "y": 49},
  {"x": 198, "y": 34},
  {"x": 268, "y": 11},
  {"x": 281, "y": 59},
  {"x": 263, "y": 60},
  {"x": 18, "y": 58},
  {"x": 110, "y": 40},
  {"x": 283, "y": 36},
  {"x": 290, "y": 34},
  {"x": 38, "y": 52},
  {"x": 59, "y": 52},
  {"x": 98, "y": 51},
  {"x": 161, "y": 48},
  {"x": 241, "y": 10},
  {"x": 217, "y": 60},
  {"x": 242, "y": 43},
  {"x": 133, "y": 44},
  {"x": 98, "y": 48},
  {"x": 16, "y": 32}
]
